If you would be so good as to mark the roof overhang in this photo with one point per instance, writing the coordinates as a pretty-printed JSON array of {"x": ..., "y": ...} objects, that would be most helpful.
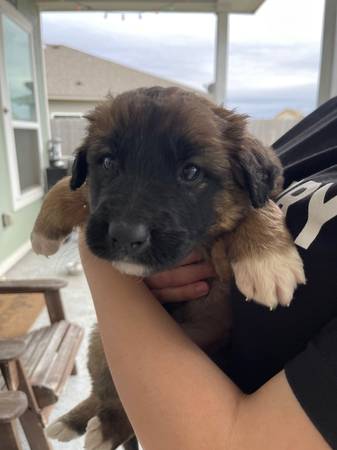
[{"x": 230, "y": 6}]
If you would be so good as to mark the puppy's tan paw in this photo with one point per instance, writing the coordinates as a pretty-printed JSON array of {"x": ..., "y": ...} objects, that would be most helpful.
[
  {"x": 270, "y": 280},
  {"x": 44, "y": 246},
  {"x": 60, "y": 431},
  {"x": 94, "y": 439}
]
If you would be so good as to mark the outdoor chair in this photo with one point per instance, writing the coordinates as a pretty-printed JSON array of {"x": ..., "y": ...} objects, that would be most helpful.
[
  {"x": 38, "y": 364},
  {"x": 12, "y": 405}
]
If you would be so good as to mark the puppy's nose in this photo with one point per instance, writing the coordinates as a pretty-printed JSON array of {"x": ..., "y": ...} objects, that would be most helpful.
[{"x": 131, "y": 237}]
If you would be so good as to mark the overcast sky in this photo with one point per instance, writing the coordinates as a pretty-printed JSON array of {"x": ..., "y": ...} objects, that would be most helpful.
[{"x": 273, "y": 61}]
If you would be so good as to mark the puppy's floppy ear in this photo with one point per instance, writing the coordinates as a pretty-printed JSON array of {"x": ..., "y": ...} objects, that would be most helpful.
[
  {"x": 257, "y": 169},
  {"x": 79, "y": 169}
]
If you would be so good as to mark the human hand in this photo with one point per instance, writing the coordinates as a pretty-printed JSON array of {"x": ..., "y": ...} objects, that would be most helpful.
[{"x": 184, "y": 282}]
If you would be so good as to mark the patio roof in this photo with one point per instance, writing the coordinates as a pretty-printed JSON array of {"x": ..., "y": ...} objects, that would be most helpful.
[
  {"x": 222, "y": 9},
  {"x": 228, "y": 6},
  {"x": 328, "y": 67}
]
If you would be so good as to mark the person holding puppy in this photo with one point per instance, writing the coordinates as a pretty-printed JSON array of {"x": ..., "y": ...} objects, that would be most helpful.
[
  {"x": 160, "y": 172},
  {"x": 278, "y": 387}
]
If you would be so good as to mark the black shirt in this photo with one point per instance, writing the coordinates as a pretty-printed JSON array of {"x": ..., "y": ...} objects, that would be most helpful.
[{"x": 301, "y": 339}]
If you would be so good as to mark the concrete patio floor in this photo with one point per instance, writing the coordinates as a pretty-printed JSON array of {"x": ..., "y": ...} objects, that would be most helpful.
[{"x": 79, "y": 308}]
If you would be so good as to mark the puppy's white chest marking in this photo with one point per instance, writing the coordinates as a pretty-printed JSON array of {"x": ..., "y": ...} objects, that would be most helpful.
[{"x": 128, "y": 268}]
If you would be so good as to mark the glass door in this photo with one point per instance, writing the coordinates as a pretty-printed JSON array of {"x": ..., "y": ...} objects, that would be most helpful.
[{"x": 20, "y": 109}]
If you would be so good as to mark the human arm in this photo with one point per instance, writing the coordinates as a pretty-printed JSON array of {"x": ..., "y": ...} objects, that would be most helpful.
[
  {"x": 186, "y": 282},
  {"x": 174, "y": 395}
]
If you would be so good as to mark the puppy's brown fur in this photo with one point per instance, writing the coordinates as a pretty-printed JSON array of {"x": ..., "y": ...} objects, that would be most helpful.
[{"x": 245, "y": 241}]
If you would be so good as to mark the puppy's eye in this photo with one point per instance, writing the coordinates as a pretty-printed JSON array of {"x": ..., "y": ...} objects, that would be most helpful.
[
  {"x": 108, "y": 162},
  {"x": 110, "y": 166},
  {"x": 190, "y": 173}
]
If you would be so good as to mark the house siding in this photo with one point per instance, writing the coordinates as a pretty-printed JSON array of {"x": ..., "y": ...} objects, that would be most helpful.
[
  {"x": 13, "y": 237},
  {"x": 71, "y": 106}
]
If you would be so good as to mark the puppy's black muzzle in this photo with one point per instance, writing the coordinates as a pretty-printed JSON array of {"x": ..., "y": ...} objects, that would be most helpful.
[
  {"x": 146, "y": 224},
  {"x": 128, "y": 239}
]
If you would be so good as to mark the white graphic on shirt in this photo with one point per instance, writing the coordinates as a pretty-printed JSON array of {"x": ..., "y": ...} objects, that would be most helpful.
[
  {"x": 319, "y": 212},
  {"x": 294, "y": 195}
]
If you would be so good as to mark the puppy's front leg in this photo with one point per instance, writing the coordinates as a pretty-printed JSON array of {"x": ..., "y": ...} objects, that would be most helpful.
[
  {"x": 265, "y": 262},
  {"x": 208, "y": 320},
  {"x": 62, "y": 210}
]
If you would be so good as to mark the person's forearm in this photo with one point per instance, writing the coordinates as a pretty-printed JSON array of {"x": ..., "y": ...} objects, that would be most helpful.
[{"x": 174, "y": 395}]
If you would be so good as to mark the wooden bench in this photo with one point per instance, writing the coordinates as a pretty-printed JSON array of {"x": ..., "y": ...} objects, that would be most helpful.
[
  {"x": 12, "y": 405},
  {"x": 40, "y": 362}
]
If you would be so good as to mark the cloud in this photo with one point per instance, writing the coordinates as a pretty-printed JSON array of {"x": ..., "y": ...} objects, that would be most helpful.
[
  {"x": 266, "y": 103},
  {"x": 273, "y": 58}
]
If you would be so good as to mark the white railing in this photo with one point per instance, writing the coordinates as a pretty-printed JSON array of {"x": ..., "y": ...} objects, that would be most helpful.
[
  {"x": 268, "y": 131},
  {"x": 72, "y": 130}
]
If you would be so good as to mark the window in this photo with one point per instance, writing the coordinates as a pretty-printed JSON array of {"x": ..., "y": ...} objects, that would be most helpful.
[{"x": 20, "y": 107}]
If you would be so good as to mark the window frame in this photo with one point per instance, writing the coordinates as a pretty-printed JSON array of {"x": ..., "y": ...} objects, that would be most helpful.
[{"x": 19, "y": 199}]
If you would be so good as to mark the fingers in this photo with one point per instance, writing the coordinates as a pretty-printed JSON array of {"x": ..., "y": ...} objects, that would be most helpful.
[
  {"x": 181, "y": 276},
  {"x": 182, "y": 283},
  {"x": 182, "y": 293},
  {"x": 193, "y": 257}
]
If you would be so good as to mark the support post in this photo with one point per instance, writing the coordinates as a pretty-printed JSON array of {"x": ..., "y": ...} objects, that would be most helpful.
[
  {"x": 221, "y": 58},
  {"x": 328, "y": 68}
]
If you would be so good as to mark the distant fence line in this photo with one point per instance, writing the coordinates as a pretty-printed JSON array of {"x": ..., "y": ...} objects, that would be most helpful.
[
  {"x": 71, "y": 131},
  {"x": 269, "y": 131}
]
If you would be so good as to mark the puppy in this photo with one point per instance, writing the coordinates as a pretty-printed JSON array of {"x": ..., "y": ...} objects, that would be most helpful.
[{"x": 161, "y": 172}]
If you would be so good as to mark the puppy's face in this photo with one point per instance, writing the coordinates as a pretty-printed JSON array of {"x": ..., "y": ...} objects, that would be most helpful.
[{"x": 161, "y": 168}]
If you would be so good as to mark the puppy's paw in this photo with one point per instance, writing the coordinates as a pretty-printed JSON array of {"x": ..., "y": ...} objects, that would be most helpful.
[
  {"x": 270, "y": 280},
  {"x": 44, "y": 246},
  {"x": 60, "y": 431},
  {"x": 94, "y": 439}
]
